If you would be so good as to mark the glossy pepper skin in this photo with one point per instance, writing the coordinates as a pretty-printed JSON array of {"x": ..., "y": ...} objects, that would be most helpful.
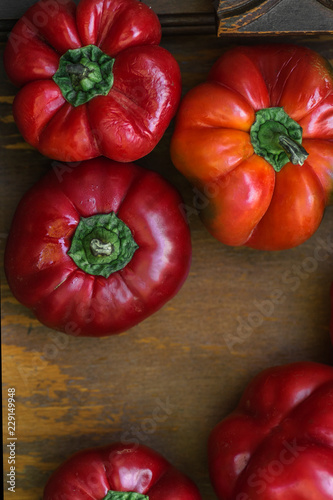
[
  {"x": 78, "y": 274},
  {"x": 249, "y": 200},
  {"x": 278, "y": 443},
  {"x": 95, "y": 473},
  {"x": 116, "y": 44}
]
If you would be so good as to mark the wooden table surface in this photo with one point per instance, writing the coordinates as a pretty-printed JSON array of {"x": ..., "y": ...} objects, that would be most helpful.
[{"x": 189, "y": 362}]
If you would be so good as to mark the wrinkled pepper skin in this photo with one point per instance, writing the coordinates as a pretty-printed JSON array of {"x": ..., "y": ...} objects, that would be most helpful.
[
  {"x": 246, "y": 200},
  {"x": 95, "y": 473},
  {"x": 278, "y": 443},
  {"x": 63, "y": 295},
  {"x": 127, "y": 122}
]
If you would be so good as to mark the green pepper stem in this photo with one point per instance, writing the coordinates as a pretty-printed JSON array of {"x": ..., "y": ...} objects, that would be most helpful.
[
  {"x": 124, "y": 495},
  {"x": 98, "y": 247},
  {"x": 295, "y": 152},
  {"x": 83, "y": 74},
  {"x": 278, "y": 138},
  {"x": 102, "y": 244},
  {"x": 77, "y": 69}
]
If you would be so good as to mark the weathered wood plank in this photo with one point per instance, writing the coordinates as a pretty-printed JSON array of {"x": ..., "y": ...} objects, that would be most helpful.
[
  {"x": 192, "y": 359},
  {"x": 14, "y": 10},
  {"x": 274, "y": 16},
  {"x": 187, "y": 16}
]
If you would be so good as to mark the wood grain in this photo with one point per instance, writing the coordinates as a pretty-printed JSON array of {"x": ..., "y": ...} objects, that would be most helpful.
[
  {"x": 14, "y": 10},
  {"x": 274, "y": 16},
  {"x": 187, "y": 16},
  {"x": 192, "y": 359}
]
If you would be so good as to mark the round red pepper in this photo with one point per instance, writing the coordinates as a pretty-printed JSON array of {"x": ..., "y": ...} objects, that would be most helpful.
[
  {"x": 257, "y": 140},
  {"x": 95, "y": 80},
  {"x": 95, "y": 248},
  {"x": 119, "y": 472},
  {"x": 278, "y": 443}
]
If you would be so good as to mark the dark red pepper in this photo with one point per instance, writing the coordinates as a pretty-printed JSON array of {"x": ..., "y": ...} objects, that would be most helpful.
[
  {"x": 119, "y": 472},
  {"x": 94, "y": 79},
  {"x": 278, "y": 443},
  {"x": 96, "y": 248}
]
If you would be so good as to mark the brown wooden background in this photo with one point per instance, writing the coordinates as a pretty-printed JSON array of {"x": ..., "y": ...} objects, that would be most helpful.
[
  {"x": 190, "y": 361},
  {"x": 269, "y": 16}
]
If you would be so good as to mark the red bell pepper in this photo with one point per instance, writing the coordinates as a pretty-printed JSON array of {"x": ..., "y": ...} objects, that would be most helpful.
[
  {"x": 256, "y": 139},
  {"x": 278, "y": 443},
  {"x": 95, "y": 248},
  {"x": 119, "y": 472},
  {"x": 95, "y": 80}
]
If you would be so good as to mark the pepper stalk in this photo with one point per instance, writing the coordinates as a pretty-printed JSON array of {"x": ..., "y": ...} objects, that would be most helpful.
[{"x": 277, "y": 138}]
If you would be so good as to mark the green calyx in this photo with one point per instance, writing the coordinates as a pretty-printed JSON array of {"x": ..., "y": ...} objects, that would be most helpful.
[
  {"x": 83, "y": 74},
  {"x": 277, "y": 138},
  {"x": 125, "y": 495},
  {"x": 102, "y": 244}
]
